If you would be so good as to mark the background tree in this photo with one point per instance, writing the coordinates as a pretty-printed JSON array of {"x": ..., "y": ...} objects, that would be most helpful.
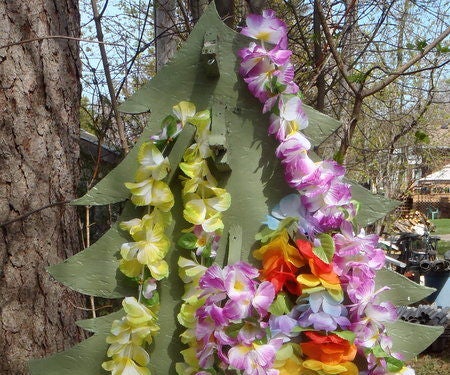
[
  {"x": 375, "y": 66},
  {"x": 39, "y": 132}
]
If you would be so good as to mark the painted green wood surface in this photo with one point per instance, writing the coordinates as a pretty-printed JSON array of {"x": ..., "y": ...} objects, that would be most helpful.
[
  {"x": 403, "y": 291},
  {"x": 409, "y": 339},
  {"x": 83, "y": 359}
]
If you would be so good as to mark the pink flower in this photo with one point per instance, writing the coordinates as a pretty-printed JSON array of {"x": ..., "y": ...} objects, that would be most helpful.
[
  {"x": 347, "y": 244},
  {"x": 263, "y": 297},
  {"x": 291, "y": 117},
  {"x": 255, "y": 359},
  {"x": 266, "y": 27}
]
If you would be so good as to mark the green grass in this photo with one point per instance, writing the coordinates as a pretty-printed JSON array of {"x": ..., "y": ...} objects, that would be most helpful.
[
  {"x": 442, "y": 226},
  {"x": 436, "y": 363},
  {"x": 433, "y": 363}
]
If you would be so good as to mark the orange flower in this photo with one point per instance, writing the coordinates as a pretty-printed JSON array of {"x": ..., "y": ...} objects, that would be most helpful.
[
  {"x": 281, "y": 262},
  {"x": 318, "y": 267},
  {"x": 329, "y": 349},
  {"x": 280, "y": 248}
]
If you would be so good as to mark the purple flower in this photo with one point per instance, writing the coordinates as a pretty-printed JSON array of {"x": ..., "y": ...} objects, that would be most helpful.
[
  {"x": 213, "y": 281},
  {"x": 148, "y": 287},
  {"x": 347, "y": 244},
  {"x": 250, "y": 332},
  {"x": 257, "y": 86},
  {"x": 282, "y": 326},
  {"x": 266, "y": 27},
  {"x": 291, "y": 147},
  {"x": 322, "y": 313},
  {"x": 291, "y": 206},
  {"x": 285, "y": 76},
  {"x": 263, "y": 298}
]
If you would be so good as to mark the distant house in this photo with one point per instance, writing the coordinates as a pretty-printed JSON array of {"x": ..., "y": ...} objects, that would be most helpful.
[
  {"x": 432, "y": 194},
  {"x": 89, "y": 147}
]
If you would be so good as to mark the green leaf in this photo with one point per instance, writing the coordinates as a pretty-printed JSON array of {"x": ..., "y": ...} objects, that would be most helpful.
[
  {"x": 282, "y": 305},
  {"x": 358, "y": 77},
  {"x": 421, "y": 44},
  {"x": 187, "y": 241},
  {"x": 266, "y": 234},
  {"x": 378, "y": 352},
  {"x": 170, "y": 122},
  {"x": 442, "y": 49},
  {"x": 233, "y": 329},
  {"x": 325, "y": 251},
  {"x": 421, "y": 136},
  {"x": 346, "y": 335},
  {"x": 394, "y": 364}
]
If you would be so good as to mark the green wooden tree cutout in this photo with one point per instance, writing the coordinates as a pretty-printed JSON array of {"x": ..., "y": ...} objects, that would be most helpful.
[{"x": 205, "y": 72}]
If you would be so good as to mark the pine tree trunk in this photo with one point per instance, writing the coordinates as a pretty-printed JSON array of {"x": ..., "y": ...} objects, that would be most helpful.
[{"x": 39, "y": 130}]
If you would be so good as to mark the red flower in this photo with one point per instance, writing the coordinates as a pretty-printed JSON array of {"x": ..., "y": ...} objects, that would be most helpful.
[
  {"x": 330, "y": 349},
  {"x": 318, "y": 267}
]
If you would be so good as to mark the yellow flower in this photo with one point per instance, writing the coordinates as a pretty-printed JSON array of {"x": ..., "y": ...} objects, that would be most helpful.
[
  {"x": 279, "y": 247},
  {"x": 132, "y": 226},
  {"x": 288, "y": 361},
  {"x": 152, "y": 163},
  {"x": 199, "y": 176},
  {"x": 186, "y": 316},
  {"x": 151, "y": 192},
  {"x": 204, "y": 210},
  {"x": 312, "y": 283},
  {"x": 124, "y": 365},
  {"x": 127, "y": 337},
  {"x": 149, "y": 249},
  {"x": 320, "y": 368},
  {"x": 184, "y": 111},
  {"x": 130, "y": 267},
  {"x": 159, "y": 269},
  {"x": 135, "y": 352},
  {"x": 190, "y": 365}
]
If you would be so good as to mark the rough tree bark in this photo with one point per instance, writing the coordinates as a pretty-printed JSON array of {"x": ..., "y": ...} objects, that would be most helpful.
[
  {"x": 166, "y": 42},
  {"x": 39, "y": 130}
]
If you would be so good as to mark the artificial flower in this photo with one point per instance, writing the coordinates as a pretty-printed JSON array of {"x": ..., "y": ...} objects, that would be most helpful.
[
  {"x": 151, "y": 192},
  {"x": 152, "y": 163},
  {"x": 320, "y": 368},
  {"x": 267, "y": 28},
  {"x": 205, "y": 210},
  {"x": 288, "y": 360},
  {"x": 290, "y": 119},
  {"x": 255, "y": 359},
  {"x": 330, "y": 349},
  {"x": 124, "y": 365}
]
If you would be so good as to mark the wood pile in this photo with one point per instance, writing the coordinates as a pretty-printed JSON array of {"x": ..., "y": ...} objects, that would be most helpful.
[{"x": 413, "y": 222}]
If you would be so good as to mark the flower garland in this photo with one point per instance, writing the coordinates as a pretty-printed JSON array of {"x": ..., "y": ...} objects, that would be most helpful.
[
  {"x": 312, "y": 308},
  {"x": 143, "y": 259},
  {"x": 204, "y": 203}
]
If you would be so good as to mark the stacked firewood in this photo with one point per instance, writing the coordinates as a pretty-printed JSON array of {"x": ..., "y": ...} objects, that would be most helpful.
[{"x": 413, "y": 221}]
